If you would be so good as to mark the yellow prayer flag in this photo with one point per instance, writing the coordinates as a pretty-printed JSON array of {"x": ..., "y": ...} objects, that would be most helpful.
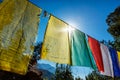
[
  {"x": 118, "y": 53},
  {"x": 56, "y": 42},
  {"x": 118, "y": 56},
  {"x": 18, "y": 30}
]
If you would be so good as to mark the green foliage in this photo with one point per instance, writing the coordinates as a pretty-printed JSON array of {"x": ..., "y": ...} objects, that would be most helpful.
[
  {"x": 78, "y": 78},
  {"x": 63, "y": 72},
  {"x": 114, "y": 17},
  {"x": 113, "y": 21},
  {"x": 97, "y": 76},
  {"x": 37, "y": 48},
  {"x": 108, "y": 43}
]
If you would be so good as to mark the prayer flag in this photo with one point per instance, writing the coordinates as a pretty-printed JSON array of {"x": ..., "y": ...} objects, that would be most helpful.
[
  {"x": 115, "y": 64},
  {"x": 56, "y": 42},
  {"x": 118, "y": 53},
  {"x": 18, "y": 30},
  {"x": 95, "y": 48},
  {"x": 81, "y": 56},
  {"x": 107, "y": 61}
]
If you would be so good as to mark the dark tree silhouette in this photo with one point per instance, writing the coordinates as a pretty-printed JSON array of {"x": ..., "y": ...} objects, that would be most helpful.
[
  {"x": 63, "y": 72},
  {"x": 113, "y": 21}
]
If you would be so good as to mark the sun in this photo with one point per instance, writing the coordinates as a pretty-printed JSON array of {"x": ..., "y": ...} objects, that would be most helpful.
[{"x": 70, "y": 29}]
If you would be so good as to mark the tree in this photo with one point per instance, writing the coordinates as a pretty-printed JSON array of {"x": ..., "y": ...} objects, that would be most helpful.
[
  {"x": 97, "y": 76},
  {"x": 78, "y": 78},
  {"x": 108, "y": 43},
  {"x": 37, "y": 50},
  {"x": 113, "y": 21},
  {"x": 63, "y": 72},
  {"x": 33, "y": 73}
]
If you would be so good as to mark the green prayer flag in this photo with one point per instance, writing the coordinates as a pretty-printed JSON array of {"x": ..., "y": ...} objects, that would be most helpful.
[{"x": 81, "y": 54}]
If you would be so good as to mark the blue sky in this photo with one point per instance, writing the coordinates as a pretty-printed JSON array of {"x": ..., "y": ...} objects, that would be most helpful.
[{"x": 86, "y": 15}]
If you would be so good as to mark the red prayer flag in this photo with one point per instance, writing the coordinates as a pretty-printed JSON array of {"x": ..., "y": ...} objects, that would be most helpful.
[{"x": 95, "y": 48}]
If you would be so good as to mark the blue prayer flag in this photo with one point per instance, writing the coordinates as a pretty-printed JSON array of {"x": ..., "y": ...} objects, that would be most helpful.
[{"x": 115, "y": 64}]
